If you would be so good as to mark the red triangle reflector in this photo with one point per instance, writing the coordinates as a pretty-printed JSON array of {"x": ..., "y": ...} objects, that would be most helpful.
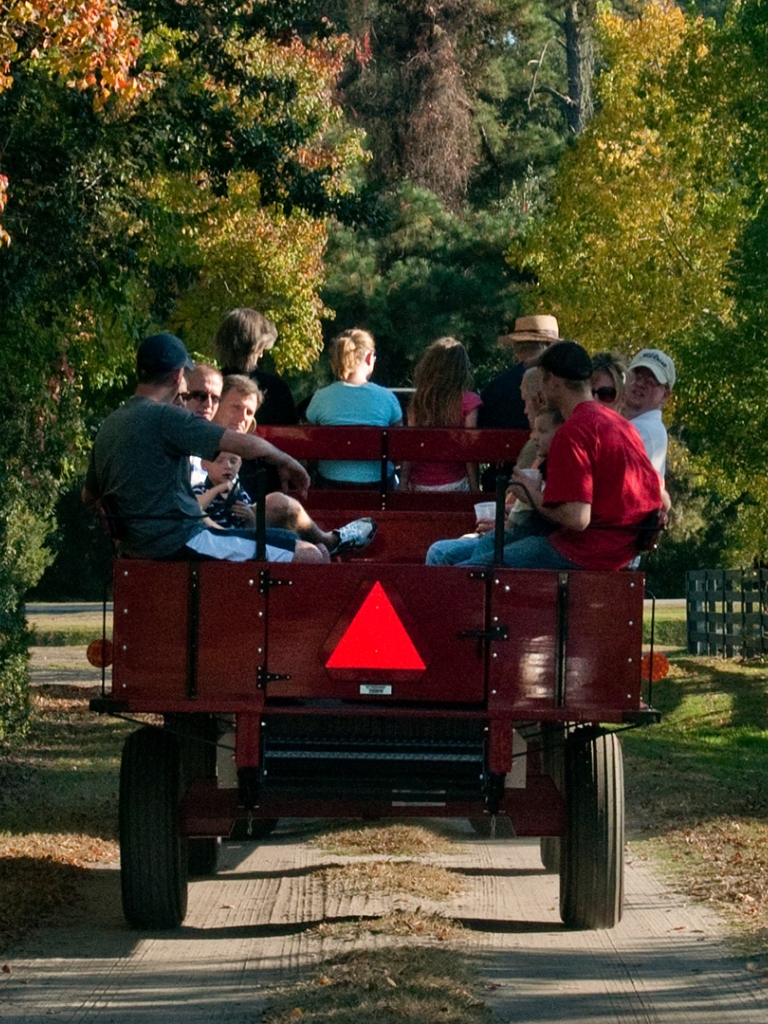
[{"x": 376, "y": 638}]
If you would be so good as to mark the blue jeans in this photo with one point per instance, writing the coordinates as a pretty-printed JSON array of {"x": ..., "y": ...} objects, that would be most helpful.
[
  {"x": 462, "y": 551},
  {"x": 528, "y": 553}
]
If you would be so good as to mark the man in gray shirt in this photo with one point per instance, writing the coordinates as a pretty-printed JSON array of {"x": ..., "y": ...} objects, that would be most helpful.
[{"x": 140, "y": 461}]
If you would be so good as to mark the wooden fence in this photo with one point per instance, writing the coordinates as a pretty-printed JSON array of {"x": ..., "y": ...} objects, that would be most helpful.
[{"x": 727, "y": 611}]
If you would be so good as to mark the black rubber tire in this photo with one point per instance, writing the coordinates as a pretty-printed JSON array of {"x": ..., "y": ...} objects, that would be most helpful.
[
  {"x": 196, "y": 735},
  {"x": 153, "y": 856},
  {"x": 553, "y": 735},
  {"x": 482, "y": 827},
  {"x": 592, "y": 855},
  {"x": 260, "y": 829},
  {"x": 549, "y": 851},
  {"x": 202, "y": 856}
]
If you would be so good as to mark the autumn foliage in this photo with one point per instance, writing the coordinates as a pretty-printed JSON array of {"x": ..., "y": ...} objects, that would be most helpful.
[
  {"x": 162, "y": 164},
  {"x": 91, "y": 43},
  {"x": 657, "y": 237},
  {"x": 646, "y": 209}
]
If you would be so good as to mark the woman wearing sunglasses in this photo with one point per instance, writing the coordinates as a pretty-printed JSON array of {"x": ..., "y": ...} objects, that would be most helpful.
[{"x": 609, "y": 370}]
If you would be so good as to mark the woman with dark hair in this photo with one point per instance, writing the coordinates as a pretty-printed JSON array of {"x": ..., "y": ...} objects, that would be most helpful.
[{"x": 243, "y": 337}]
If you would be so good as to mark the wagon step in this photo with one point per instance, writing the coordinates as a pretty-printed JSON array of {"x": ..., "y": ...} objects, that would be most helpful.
[{"x": 337, "y": 771}]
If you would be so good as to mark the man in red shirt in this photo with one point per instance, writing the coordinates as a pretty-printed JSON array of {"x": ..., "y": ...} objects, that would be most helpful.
[{"x": 600, "y": 483}]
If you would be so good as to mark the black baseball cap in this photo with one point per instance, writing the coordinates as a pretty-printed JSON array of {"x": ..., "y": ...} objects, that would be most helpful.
[
  {"x": 568, "y": 360},
  {"x": 161, "y": 353}
]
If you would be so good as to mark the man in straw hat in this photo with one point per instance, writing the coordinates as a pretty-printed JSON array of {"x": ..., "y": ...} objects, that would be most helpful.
[
  {"x": 502, "y": 403},
  {"x": 601, "y": 487}
]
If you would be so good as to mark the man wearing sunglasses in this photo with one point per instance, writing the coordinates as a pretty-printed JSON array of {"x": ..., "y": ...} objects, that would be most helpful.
[
  {"x": 202, "y": 399},
  {"x": 650, "y": 379},
  {"x": 601, "y": 487},
  {"x": 149, "y": 496},
  {"x": 203, "y": 393},
  {"x": 233, "y": 403}
]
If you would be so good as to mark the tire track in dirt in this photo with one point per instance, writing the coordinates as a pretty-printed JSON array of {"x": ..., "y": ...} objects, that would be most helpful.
[{"x": 254, "y": 926}]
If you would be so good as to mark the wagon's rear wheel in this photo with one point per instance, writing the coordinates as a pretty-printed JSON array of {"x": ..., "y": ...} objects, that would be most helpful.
[
  {"x": 153, "y": 856},
  {"x": 197, "y": 735},
  {"x": 592, "y": 863},
  {"x": 553, "y": 736},
  {"x": 486, "y": 828},
  {"x": 549, "y": 851}
]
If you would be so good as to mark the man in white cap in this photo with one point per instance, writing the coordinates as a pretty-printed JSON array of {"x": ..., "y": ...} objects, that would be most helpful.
[
  {"x": 502, "y": 403},
  {"x": 601, "y": 487},
  {"x": 650, "y": 379}
]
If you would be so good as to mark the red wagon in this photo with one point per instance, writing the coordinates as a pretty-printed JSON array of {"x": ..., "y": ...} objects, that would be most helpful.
[{"x": 377, "y": 687}]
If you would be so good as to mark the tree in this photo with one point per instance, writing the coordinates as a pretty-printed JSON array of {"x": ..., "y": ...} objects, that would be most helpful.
[
  {"x": 136, "y": 202},
  {"x": 459, "y": 143},
  {"x": 419, "y": 271},
  {"x": 89, "y": 43},
  {"x": 577, "y": 29},
  {"x": 445, "y": 92},
  {"x": 655, "y": 239},
  {"x": 254, "y": 158},
  {"x": 725, "y": 415},
  {"x": 405, "y": 83},
  {"x": 521, "y": 99},
  {"x": 646, "y": 209}
]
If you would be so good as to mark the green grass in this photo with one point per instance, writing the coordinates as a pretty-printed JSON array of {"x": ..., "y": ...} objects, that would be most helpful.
[
  {"x": 697, "y": 791},
  {"x": 707, "y": 757},
  {"x": 67, "y": 635},
  {"x": 67, "y": 629},
  {"x": 670, "y": 628}
]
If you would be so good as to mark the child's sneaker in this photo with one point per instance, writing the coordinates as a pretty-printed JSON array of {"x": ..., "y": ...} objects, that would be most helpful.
[{"x": 354, "y": 536}]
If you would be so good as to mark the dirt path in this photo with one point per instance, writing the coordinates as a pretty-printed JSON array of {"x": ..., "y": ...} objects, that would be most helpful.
[{"x": 254, "y": 925}]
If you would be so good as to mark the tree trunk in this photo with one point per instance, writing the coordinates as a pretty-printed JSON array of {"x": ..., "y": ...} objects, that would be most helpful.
[{"x": 580, "y": 63}]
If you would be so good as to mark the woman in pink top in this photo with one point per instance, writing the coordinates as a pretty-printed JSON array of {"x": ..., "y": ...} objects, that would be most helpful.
[{"x": 442, "y": 398}]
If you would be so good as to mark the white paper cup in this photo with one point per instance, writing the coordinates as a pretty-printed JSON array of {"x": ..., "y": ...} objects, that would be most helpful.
[
  {"x": 532, "y": 474},
  {"x": 485, "y": 511}
]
